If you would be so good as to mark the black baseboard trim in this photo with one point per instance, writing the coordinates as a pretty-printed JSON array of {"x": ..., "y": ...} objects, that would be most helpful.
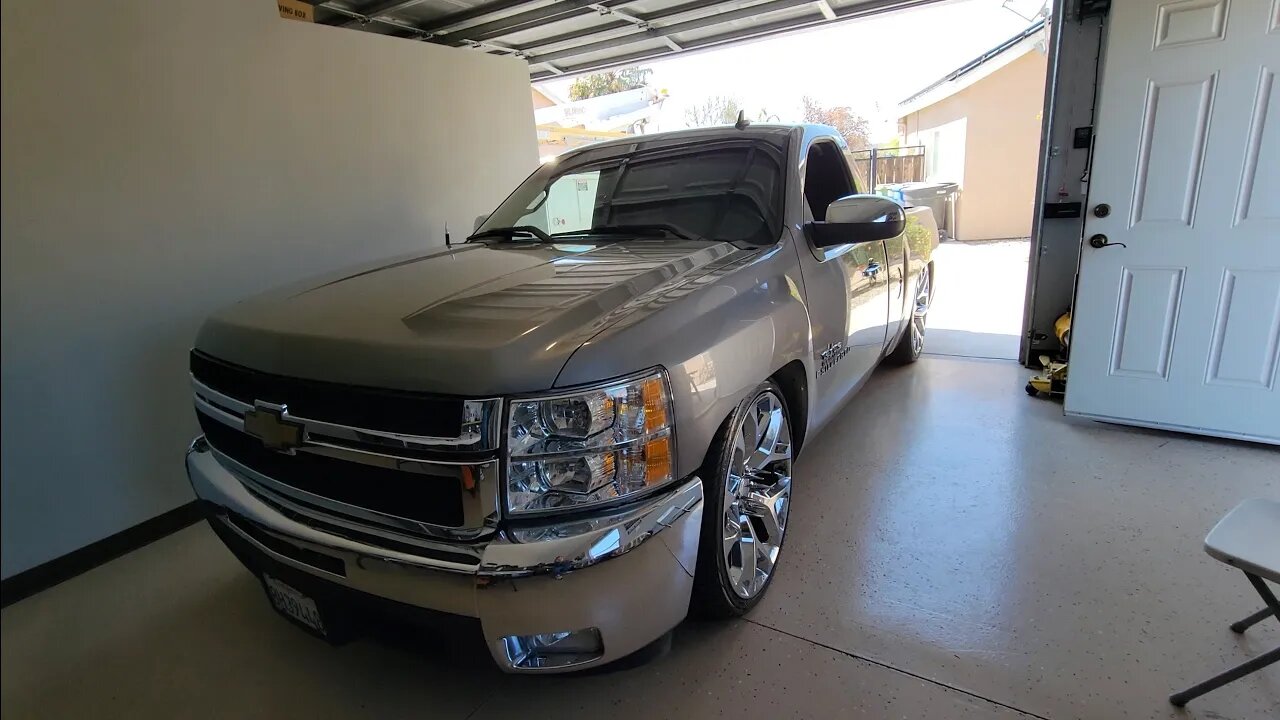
[{"x": 42, "y": 577}]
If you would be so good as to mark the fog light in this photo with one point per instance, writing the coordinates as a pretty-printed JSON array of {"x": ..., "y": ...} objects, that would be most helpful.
[{"x": 553, "y": 650}]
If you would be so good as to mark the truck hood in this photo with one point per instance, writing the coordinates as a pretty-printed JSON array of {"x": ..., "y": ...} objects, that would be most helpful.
[{"x": 474, "y": 320}]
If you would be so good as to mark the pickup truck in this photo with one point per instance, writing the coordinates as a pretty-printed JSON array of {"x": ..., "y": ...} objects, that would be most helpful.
[{"x": 578, "y": 425}]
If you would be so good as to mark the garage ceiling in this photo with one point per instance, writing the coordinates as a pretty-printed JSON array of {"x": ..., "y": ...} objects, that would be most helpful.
[{"x": 567, "y": 37}]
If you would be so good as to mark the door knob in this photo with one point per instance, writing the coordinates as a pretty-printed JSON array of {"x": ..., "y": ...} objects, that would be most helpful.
[{"x": 1100, "y": 241}]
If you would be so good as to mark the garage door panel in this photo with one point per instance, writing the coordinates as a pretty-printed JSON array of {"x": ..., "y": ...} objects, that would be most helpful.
[{"x": 559, "y": 38}]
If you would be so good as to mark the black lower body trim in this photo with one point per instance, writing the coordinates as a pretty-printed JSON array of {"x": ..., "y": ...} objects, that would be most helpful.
[{"x": 42, "y": 577}]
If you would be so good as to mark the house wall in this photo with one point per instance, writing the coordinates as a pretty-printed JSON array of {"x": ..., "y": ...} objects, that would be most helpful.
[
  {"x": 162, "y": 160},
  {"x": 540, "y": 100},
  {"x": 996, "y": 123}
]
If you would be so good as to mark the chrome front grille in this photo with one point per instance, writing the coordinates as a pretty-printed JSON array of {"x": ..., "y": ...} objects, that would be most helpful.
[
  {"x": 356, "y": 416},
  {"x": 381, "y": 479}
]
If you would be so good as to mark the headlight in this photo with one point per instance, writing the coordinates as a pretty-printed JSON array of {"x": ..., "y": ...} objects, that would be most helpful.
[{"x": 589, "y": 447}]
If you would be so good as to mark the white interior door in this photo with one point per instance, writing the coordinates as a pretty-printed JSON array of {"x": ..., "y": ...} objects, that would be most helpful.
[{"x": 1180, "y": 327}]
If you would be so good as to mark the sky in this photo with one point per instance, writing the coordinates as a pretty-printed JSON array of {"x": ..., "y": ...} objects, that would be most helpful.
[{"x": 869, "y": 65}]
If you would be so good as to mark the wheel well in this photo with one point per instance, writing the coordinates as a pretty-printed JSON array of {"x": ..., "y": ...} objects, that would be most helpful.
[{"x": 794, "y": 382}]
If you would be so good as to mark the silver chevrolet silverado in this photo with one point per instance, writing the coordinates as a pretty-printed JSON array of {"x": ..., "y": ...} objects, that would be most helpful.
[{"x": 579, "y": 424}]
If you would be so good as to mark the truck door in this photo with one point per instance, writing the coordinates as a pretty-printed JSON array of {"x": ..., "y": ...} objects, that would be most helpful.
[{"x": 847, "y": 287}]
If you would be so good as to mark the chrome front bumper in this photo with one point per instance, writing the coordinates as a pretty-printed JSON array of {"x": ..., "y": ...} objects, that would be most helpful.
[{"x": 626, "y": 574}]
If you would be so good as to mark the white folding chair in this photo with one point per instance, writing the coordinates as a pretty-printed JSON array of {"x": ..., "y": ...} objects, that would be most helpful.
[{"x": 1248, "y": 538}]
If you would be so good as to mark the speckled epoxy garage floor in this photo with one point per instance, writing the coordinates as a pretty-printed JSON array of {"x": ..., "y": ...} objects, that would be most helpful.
[{"x": 956, "y": 550}]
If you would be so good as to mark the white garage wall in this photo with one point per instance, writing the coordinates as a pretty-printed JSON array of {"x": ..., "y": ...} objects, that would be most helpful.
[{"x": 164, "y": 159}]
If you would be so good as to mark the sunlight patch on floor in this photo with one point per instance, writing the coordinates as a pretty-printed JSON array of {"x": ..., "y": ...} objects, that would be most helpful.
[{"x": 977, "y": 304}]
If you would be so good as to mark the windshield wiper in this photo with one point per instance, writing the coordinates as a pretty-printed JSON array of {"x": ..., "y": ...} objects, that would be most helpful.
[
  {"x": 510, "y": 233},
  {"x": 639, "y": 229}
]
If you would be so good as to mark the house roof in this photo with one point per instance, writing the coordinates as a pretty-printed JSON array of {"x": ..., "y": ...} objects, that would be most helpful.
[{"x": 974, "y": 70}]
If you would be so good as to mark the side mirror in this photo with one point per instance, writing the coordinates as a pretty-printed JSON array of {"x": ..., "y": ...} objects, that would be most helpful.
[
  {"x": 858, "y": 219},
  {"x": 479, "y": 221}
]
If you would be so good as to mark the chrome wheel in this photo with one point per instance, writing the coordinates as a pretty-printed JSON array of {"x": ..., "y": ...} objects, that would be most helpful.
[
  {"x": 921, "y": 311},
  {"x": 757, "y": 495}
]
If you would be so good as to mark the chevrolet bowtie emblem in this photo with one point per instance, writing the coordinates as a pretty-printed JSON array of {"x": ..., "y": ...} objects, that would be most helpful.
[{"x": 269, "y": 424}]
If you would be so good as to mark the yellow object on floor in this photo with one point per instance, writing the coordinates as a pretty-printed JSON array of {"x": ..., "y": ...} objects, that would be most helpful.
[{"x": 1053, "y": 381}]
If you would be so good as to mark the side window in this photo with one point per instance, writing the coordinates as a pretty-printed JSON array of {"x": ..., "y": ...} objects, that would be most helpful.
[{"x": 826, "y": 178}]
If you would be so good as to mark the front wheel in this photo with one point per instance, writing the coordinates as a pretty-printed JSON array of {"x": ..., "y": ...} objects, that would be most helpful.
[
  {"x": 747, "y": 481},
  {"x": 911, "y": 343}
]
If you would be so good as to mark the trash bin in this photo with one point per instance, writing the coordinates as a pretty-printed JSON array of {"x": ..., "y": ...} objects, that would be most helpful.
[
  {"x": 937, "y": 196},
  {"x": 892, "y": 191}
]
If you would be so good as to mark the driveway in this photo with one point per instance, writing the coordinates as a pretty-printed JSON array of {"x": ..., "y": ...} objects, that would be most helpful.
[{"x": 977, "y": 304}]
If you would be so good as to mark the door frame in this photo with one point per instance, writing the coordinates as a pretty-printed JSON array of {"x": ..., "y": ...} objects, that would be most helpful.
[
  {"x": 1061, "y": 59},
  {"x": 1042, "y": 181}
]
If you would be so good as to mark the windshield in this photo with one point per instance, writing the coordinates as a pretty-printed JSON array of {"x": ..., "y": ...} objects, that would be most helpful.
[{"x": 726, "y": 190}]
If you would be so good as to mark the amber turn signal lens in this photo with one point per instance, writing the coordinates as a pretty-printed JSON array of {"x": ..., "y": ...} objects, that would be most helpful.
[
  {"x": 657, "y": 460},
  {"x": 655, "y": 405}
]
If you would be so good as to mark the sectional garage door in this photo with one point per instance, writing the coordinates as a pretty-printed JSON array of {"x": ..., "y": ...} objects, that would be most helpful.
[{"x": 558, "y": 37}]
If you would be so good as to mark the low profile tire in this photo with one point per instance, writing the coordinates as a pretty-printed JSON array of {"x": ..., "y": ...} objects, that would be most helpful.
[
  {"x": 911, "y": 343},
  {"x": 747, "y": 486}
]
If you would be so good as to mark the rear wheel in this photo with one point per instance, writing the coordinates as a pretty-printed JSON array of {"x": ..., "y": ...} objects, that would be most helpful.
[
  {"x": 911, "y": 343},
  {"x": 747, "y": 482}
]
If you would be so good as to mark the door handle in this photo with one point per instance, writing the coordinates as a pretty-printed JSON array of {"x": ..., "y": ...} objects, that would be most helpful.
[{"x": 1100, "y": 241}]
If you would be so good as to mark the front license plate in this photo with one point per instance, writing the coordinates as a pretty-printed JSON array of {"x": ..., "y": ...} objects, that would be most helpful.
[{"x": 293, "y": 603}]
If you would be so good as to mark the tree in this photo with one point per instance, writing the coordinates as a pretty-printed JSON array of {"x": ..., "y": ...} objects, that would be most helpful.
[
  {"x": 854, "y": 128},
  {"x": 715, "y": 110},
  {"x": 608, "y": 83}
]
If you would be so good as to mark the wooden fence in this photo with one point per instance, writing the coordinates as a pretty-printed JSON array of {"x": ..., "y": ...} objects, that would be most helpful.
[{"x": 893, "y": 165}]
